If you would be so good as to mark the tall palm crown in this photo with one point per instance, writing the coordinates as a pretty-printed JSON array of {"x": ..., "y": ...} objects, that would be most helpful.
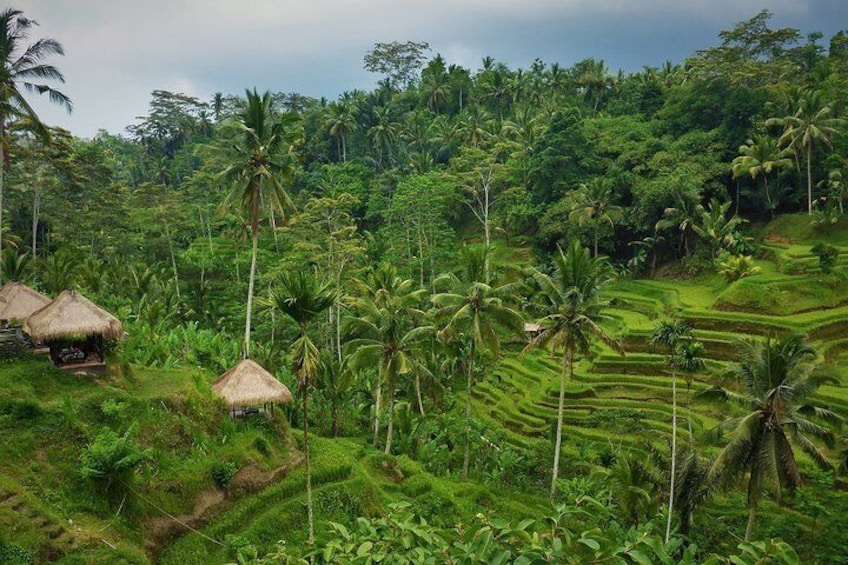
[
  {"x": 474, "y": 310},
  {"x": 777, "y": 379},
  {"x": 386, "y": 332},
  {"x": 261, "y": 159},
  {"x": 759, "y": 157},
  {"x": 303, "y": 298},
  {"x": 593, "y": 206},
  {"x": 261, "y": 156},
  {"x": 23, "y": 70},
  {"x": 574, "y": 306},
  {"x": 809, "y": 126}
]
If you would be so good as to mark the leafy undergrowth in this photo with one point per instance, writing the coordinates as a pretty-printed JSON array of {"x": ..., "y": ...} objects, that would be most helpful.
[{"x": 49, "y": 417}]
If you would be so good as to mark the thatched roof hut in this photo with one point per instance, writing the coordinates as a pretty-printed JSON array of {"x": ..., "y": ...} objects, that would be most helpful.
[
  {"x": 18, "y": 302},
  {"x": 532, "y": 330},
  {"x": 249, "y": 384},
  {"x": 72, "y": 316}
]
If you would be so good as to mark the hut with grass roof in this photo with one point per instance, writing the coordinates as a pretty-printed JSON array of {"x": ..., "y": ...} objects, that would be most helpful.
[
  {"x": 75, "y": 329},
  {"x": 17, "y": 302},
  {"x": 248, "y": 385}
]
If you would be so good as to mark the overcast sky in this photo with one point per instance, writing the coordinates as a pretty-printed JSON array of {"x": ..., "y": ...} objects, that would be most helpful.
[{"x": 118, "y": 51}]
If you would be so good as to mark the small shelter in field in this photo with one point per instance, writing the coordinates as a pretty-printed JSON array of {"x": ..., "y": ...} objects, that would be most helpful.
[
  {"x": 533, "y": 330},
  {"x": 18, "y": 302},
  {"x": 75, "y": 329},
  {"x": 248, "y": 385}
]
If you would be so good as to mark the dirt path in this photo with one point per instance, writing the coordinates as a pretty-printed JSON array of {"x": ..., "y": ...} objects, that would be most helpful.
[{"x": 160, "y": 531}]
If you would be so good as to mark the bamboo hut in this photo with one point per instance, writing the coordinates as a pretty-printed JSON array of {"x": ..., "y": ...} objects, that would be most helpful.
[
  {"x": 248, "y": 384},
  {"x": 533, "y": 331},
  {"x": 75, "y": 329},
  {"x": 18, "y": 302}
]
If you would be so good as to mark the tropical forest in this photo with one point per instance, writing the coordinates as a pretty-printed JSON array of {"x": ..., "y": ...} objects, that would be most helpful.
[{"x": 490, "y": 315}]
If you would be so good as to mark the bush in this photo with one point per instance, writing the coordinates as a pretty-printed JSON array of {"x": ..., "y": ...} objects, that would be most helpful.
[
  {"x": 827, "y": 255},
  {"x": 735, "y": 267},
  {"x": 223, "y": 473},
  {"x": 111, "y": 459},
  {"x": 20, "y": 409}
]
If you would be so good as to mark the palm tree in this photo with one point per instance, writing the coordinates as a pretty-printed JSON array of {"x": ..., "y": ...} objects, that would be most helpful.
[
  {"x": 811, "y": 125},
  {"x": 303, "y": 298},
  {"x": 572, "y": 300},
  {"x": 340, "y": 123},
  {"x": 385, "y": 334},
  {"x": 257, "y": 168},
  {"x": 713, "y": 226},
  {"x": 474, "y": 312},
  {"x": 777, "y": 379},
  {"x": 21, "y": 65},
  {"x": 593, "y": 206},
  {"x": 759, "y": 157},
  {"x": 673, "y": 335}
]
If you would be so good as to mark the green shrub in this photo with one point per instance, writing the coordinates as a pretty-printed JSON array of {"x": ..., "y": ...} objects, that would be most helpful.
[
  {"x": 735, "y": 267},
  {"x": 223, "y": 473},
  {"x": 827, "y": 255},
  {"x": 111, "y": 459},
  {"x": 13, "y": 554}
]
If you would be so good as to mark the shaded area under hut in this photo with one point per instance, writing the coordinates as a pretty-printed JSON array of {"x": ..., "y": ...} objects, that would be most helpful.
[
  {"x": 248, "y": 385},
  {"x": 75, "y": 329},
  {"x": 17, "y": 303}
]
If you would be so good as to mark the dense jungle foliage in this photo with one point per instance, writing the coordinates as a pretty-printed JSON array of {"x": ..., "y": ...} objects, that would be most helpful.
[{"x": 510, "y": 305}]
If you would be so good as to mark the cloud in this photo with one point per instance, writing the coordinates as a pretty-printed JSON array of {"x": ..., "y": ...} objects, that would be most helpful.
[{"x": 118, "y": 52}]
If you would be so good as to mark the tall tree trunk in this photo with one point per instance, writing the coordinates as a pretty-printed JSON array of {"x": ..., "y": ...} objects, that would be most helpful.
[
  {"x": 673, "y": 454},
  {"x": 36, "y": 210},
  {"x": 390, "y": 411},
  {"x": 250, "y": 284},
  {"x": 753, "y": 501},
  {"x": 466, "y": 459},
  {"x": 768, "y": 196},
  {"x": 418, "y": 392},
  {"x": 596, "y": 242},
  {"x": 173, "y": 257},
  {"x": 809, "y": 181},
  {"x": 309, "y": 514},
  {"x": 567, "y": 360},
  {"x": 377, "y": 401},
  {"x": 2, "y": 167}
]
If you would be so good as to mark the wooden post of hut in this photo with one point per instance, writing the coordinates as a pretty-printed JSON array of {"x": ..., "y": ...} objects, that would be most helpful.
[
  {"x": 75, "y": 329},
  {"x": 247, "y": 385}
]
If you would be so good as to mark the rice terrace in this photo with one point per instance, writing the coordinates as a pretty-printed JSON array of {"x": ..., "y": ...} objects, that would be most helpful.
[{"x": 491, "y": 313}]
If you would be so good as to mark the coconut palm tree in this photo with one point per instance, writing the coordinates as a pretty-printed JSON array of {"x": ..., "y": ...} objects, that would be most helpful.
[
  {"x": 810, "y": 126},
  {"x": 574, "y": 307},
  {"x": 672, "y": 335},
  {"x": 475, "y": 309},
  {"x": 759, "y": 157},
  {"x": 22, "y": 70},
  {"x": 777, "y": 379},
  {"x": 341, "y": 122},
  {"x": 593, "y": 207},
  {"x": 386, "y": 334},
  {"x": 303, "y": 298},
  {"x": 258, "y": 165}
]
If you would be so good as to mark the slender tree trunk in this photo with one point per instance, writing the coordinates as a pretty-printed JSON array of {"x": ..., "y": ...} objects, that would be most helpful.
[
  {"x": 390, "y": 411},
  {"x": 673, "y": 454},
  {"x": 173, "y": 257},
  {"x": 466, "y": 459},
  {"x": 250, "y": 284},
  {"x": 809, "y": 184},
  {"x": 418, "y": 393},
  {"x": 309, "y": 514},
  {"x": 377, "y": 401},
  {"x": 2, "y": 168},
  {"x": 768, "y": 196},
  {"x": 36, "y": 210},
  {"x": 596, "y": 242},
  {"x": 567, "y": 361},
  {"x": 752, "y": 518}
]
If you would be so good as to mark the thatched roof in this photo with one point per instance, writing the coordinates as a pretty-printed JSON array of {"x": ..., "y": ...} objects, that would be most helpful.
[
  {"x": 18, "y": 301},
  {"x": 247, "y": 383},
  {"x": 72, "y": 315},
  {"x": 533, "y": 328}
]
